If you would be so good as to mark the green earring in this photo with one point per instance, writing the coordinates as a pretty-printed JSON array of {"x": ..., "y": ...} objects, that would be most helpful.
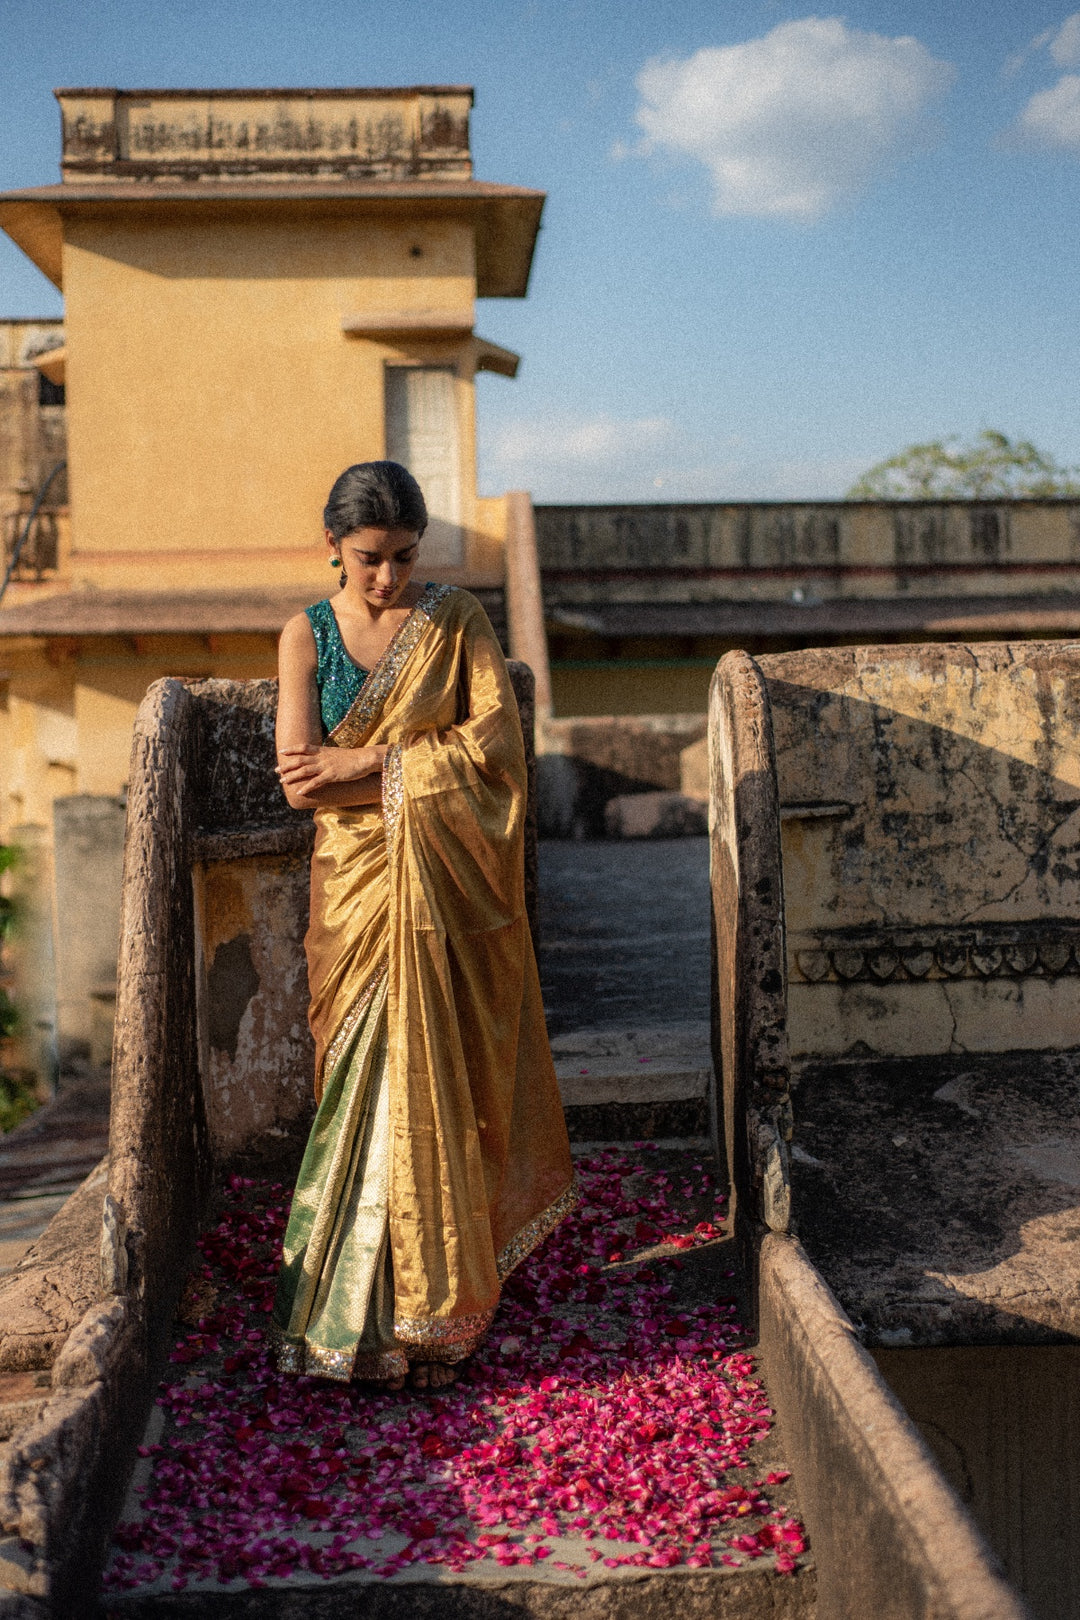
[{"x": 335, "y": 562}]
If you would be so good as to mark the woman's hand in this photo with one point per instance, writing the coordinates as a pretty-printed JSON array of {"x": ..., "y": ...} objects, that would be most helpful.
[{"x": 305, "y": 769}]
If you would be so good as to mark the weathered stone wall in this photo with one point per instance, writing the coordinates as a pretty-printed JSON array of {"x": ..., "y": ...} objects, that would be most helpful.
[
  {"x": 930, "y": 799},
  {"x": 851, "y": 548},
  {"x": 891, "y": 1539},
  {"x": 251, "y": 913},
  {"x": 994, "y": 1415},
  {"x": 585, "y": 763},
  {"x": 890, "y": 1536},
  {"x": 256, "y": 1053},
  {"x": 749, "y": 985}
]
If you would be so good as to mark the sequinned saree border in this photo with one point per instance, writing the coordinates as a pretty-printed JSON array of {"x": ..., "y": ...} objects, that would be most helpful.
[
  {"x": 348, "y": 1026},
  {"x": 452, "y": 1338}
]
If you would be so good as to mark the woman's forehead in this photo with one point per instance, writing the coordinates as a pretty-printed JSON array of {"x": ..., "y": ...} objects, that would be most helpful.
[{"x": 372, "y": 539}]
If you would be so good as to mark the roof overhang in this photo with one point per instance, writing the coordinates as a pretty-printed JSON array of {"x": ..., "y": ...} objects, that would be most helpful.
[
  {"x": 410, "y": 325},
  {"x": 52, "y": 364},
  {"x": 84, "y": 613},
  {"x": 505, "y": 219}
]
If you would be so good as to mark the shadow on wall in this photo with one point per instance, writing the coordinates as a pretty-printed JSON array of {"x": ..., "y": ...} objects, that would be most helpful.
[{"x": 930, "y": 811}]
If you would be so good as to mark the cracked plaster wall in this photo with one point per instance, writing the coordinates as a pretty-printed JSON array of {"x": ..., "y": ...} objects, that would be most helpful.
[
  {"x": 930, "y": 801},
  {"x": 257, "y": 1056}
]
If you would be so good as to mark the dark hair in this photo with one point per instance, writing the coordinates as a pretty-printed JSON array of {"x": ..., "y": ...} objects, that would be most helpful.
[{"x": 375, "y": 495}]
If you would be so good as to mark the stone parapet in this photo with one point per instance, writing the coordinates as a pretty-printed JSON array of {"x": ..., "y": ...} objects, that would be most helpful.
[
  {"x": 890, "y": 1537},
  {"x": 146, "y": 135}
]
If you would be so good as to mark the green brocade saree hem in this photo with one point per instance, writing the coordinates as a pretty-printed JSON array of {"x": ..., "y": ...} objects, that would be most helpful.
[{"x": 334, "y": 1310}]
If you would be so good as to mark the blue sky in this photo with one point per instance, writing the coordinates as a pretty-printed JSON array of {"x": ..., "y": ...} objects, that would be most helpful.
[{"x": 780, "y": 243}]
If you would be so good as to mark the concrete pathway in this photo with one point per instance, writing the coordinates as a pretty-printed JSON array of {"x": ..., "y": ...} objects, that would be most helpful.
[
  {"x": 608, "y": 1453},
  {"x": 624, "y": 964},
  {"x": 624, "y": 933},
  {"x": 642, "y": 1267},
  {"x": 43, "y": 1160}
]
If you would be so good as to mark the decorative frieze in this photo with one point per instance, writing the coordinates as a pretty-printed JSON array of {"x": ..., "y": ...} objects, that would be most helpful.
[{"x": 1047, "y": 950}]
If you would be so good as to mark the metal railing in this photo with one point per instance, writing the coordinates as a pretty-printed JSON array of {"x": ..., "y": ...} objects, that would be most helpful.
[{"x": 47, "y": 534}]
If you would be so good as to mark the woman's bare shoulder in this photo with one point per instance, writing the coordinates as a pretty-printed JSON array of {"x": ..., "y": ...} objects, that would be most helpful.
[{"x": 297, "y": 633}]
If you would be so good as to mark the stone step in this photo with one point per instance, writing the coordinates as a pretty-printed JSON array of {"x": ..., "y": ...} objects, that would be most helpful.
[
  {"x": 23, "y": 1396},
  {"x": 640, "y": 1082}
]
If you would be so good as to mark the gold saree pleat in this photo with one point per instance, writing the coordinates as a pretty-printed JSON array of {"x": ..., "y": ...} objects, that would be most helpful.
[{"x": 418, "y": 910}]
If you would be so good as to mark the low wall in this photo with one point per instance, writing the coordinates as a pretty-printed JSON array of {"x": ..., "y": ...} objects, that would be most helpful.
[
  {"x": 754, "y": 549},
  {"x": 994, "y": 1416},
  {"x": 586, "y": 762},
  {"x": 890, "y": 1538},
  {"x": 930, "y": 801}
]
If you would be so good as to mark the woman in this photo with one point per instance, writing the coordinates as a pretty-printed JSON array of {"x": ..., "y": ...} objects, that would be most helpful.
[{"x": 438, "y": 1157}]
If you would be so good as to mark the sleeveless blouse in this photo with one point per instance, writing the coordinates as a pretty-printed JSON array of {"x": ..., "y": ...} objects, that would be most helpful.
[{"x": 338, "y": 677}]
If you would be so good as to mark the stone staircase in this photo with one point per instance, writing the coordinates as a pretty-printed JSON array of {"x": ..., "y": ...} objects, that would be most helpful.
[
  {"x": 648, "y": 1082},
  {"x": 625, "y": 1082},
  {"x": 623, "y": 932}
]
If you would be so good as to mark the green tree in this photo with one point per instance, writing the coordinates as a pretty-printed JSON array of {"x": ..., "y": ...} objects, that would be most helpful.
[
  {"x": 990, "y": 467},
  {"x": 18, "y": 1094}
]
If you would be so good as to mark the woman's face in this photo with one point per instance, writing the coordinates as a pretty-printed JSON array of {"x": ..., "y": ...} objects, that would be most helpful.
[{"x": 378, "y": 563}]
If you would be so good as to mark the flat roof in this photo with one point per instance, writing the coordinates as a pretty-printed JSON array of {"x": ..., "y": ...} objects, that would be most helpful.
[
  {"x": 147, "y": 613},
  {"x": 866, "y": 616},
  {"x": 323, "y": 92},
  {"x": 506, "y": 218}
]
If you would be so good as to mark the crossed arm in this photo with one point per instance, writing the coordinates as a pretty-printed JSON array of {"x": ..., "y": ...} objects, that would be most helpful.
[{"x": 313, "y": 774}]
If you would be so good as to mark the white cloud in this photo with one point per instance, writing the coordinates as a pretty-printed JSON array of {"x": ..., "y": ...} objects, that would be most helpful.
[
  {"x": 1052, "y": 117},
  {"x": 604, "y": 458},
  {"x": 1065, "y": 43},
  {"x": 791, "y": 124},
  {"x": 593, "y": 443},
  {"x": 588, "y": 458}
]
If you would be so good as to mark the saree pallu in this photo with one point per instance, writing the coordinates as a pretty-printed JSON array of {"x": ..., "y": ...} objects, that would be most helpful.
[{"x": 439, "y": 1157}]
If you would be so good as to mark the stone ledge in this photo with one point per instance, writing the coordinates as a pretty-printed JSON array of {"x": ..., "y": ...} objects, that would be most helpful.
[
  {"x": 960, "y": 1172},
  {"x": 656, "y": 815},
  {"x": 648, "y": 1081},
  {"x": 48, "y": 1292},
  {"x": 889, "y": 1534},
  {"x": 609, "y": 1083},
  {"x": 755, "y": 1594},
  {"x": 239, "y": 843}
]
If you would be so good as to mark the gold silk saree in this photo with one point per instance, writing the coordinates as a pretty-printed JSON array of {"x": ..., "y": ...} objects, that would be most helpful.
[{"x": 438, "y": 1157}]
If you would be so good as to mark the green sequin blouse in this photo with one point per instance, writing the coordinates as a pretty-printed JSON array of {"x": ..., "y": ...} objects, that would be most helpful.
[{"x": 339, "y": 679}]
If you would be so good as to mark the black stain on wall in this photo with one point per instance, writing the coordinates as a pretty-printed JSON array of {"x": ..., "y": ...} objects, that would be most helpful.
[{"x": 231, "y": 983}]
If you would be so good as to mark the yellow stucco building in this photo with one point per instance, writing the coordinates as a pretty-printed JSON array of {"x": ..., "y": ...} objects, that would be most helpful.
[{"x": 260, "y": 288}]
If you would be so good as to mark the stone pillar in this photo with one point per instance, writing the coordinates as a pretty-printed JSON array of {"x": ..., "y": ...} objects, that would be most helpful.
[
  {"x": 33, "y": 967},
  {"x": 525, "y": 599},
  {"x": 88, "y": 854}
]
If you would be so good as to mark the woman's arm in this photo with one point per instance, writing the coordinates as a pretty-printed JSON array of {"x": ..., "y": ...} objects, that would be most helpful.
[{"x": 311, "y": 773}]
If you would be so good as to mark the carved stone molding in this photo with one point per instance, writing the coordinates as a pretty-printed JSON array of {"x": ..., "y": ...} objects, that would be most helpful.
[{"x": 1047, "y": 949}]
